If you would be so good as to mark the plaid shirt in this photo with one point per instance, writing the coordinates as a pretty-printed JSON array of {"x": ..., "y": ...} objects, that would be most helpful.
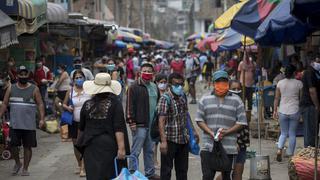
[{"x": 176, "y": 113}]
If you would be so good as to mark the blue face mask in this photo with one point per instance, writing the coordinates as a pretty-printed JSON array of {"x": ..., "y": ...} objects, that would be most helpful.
[
  {"x": 177, "y": 90},
  {"x": 110, "y": 67},
  {"x": 79, "y": 82}
]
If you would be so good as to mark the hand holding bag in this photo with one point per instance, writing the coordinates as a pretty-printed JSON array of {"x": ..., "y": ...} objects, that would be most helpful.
[
  {"x": 219, "y": 159},
  {"x": 125, "y": 173},
  {"x": 67, "y": 116}
]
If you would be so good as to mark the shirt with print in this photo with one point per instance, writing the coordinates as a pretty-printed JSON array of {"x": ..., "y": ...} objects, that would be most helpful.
[
  {"x": 217, "y": 115},
  {"x": 176, "y": 113}
]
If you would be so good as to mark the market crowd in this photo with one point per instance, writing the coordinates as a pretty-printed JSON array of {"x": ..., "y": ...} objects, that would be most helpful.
[{"x": 151, "y": 91}]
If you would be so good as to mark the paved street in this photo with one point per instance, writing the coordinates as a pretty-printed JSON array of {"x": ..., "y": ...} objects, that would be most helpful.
[{"x": 54, "y": 160}]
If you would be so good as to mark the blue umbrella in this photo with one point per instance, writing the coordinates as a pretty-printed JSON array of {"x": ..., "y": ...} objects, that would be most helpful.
[
  {"x": 120, "y": 44},
  {"x": 280, "y": 27}
]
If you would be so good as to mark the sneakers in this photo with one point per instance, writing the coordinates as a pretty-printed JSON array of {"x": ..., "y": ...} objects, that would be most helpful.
[{"x": 16, "y": 169}]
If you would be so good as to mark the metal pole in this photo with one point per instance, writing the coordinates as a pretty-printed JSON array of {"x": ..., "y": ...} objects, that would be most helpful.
[
  {"x": 259, "y": 106},
  {"x": 316, "y": 148},
  {"x": 142, "y": 15},
  {"x": 79, "y": 29},
  {"x": 225, "y": 5}
]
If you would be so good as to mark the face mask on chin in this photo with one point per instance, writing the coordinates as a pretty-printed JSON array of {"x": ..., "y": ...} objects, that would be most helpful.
[{"x": 23, "y": 81}]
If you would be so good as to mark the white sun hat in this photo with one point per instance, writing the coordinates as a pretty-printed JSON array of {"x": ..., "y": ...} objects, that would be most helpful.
[{"x": 102, "y": 83}]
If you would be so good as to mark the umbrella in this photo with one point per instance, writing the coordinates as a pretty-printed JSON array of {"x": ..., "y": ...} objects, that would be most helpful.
[
  {"x": 120, "y": 44},
  {"x": 196, "y": 36},
  {"x": 204, "y": 44},
  {"x": 230, "y": 40},
  {"x": 280, "y": 27},
  {"x": 307, "y": 11},
  {"x": 128, "y": 37},
  {"x": 224, "y": 21},
  {"x": 251, "y": 15}
]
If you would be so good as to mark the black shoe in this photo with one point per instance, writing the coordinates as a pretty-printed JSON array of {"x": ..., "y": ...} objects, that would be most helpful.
[
  {"x": 279, "y": 157},
  {"x": 193, "y": 101}
]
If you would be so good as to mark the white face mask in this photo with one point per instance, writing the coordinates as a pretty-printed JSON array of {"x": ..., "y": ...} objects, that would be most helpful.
[
  {"x": 316, "y": 66},
  {"x": 162, "y": 86},
  {"x": 235, "y": 57}
]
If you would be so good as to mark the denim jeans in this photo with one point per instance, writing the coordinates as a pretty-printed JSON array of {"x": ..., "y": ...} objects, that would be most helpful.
[
  {"x": 142, "y": 140},
  {"x": 310, "y": 125},
  {"x": 288, "y": 126}
]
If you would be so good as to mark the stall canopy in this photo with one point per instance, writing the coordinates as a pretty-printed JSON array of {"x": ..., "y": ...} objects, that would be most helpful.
[
  {"x": 230, "y": 40},
  {"x": 56, "y": 13},
  {"x": 31, "y": 13},
  {"x": 280, "y": 27},
  {"x": 251, "y": 15},
  {"x": 224, "y": 21},
  {"x": 8, "y": 34},
  {"x": 128, "y": 37}
]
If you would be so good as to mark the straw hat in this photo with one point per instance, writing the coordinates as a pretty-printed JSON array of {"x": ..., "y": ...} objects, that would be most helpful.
[{"x": 102, "y": 83}]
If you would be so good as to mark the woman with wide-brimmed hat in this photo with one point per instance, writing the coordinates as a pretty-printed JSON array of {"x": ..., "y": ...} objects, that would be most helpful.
[{"x": 103, "y": 125}]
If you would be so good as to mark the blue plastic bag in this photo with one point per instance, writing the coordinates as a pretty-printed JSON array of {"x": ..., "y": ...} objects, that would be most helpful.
[
  {"x": 194, "y": 147},
  {"x": 125, "y": 173},
  {"x": 66, "y": 118}
]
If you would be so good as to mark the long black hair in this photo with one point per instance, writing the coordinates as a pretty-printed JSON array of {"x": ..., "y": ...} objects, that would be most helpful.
[{"x": 289, "y": 72}]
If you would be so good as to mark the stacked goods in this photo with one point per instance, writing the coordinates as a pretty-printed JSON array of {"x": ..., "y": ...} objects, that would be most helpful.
[{"x": 301, "y": 165}]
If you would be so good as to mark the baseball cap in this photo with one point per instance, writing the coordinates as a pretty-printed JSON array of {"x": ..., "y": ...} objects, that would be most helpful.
[
  {"x": 22, "y": 69},
  {"x": 220, "y": 74}
]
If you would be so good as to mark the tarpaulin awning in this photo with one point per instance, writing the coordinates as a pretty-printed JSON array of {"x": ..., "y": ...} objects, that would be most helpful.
[
  {"x": 251, "y": 15},
  {"x": 56, "y": 13},
  {"x": 230, "y": 40},
  {"x": 26, "y": 26},
  {"x": 8, "y": 34},
  {"x": 224, "y": 21},
  {"x": 280, "y": 27},
  {"x": 204, "y": 44},
  {"x": 307, "y": 11},
  {"x": 28, "y": 9}
]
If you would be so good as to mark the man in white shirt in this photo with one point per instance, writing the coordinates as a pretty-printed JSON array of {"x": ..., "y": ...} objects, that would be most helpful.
[{"x": 77, "y": 64}]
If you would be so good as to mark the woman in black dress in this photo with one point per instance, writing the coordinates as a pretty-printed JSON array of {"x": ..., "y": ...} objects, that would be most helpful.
[{"x": 103, "y": 125}]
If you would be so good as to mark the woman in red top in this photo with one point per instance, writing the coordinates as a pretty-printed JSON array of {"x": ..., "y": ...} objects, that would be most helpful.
[{"x": 177, "y": 66}]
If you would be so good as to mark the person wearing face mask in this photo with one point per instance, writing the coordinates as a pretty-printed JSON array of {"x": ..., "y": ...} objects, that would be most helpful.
[
  {"x": 172, "y": 110},
  {"x": 25, "y": 100},
  {"x": 310, "y": 99},
  {"x": 141, "y": 104},
  {"x": 161, "y": 81},
  {"x": 78, "y": 97},
  {"x": 177, "y": 65},
  {"x": 77, "y": 64},
  {"x": 219, "y": 110},
  {"x": 42, "y": 77},
  {"x": 63, "y": 83}
]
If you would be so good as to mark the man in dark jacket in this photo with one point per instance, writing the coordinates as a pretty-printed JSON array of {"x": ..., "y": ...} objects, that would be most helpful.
[{"x": 141, "y": 105}]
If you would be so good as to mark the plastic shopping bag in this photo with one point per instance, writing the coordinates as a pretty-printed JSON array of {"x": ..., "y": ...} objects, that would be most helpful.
[{"x": 125, "y": 173}]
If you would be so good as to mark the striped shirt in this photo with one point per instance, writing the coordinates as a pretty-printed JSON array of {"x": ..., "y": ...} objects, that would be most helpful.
[{"x": 217, "y": 115}]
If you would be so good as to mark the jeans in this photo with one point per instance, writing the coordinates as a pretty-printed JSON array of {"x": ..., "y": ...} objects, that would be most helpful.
[
  {"x": 288, "y": 126},
  {"x": 179, "y": 154},
  {"x": 248, "y": 96},
  {"x": 207, "y": 172},
  {"x": 310, "y": 125},
  {"x": 141, "y": 140}
]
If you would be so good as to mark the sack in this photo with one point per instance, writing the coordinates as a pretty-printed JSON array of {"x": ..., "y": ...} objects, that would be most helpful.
[
  {"x": 64, "y": 132},
  {"x": 219, "y": 159},
  {"x": 66, "y": 118},
  {"x": 52, "y": 126},
  {"x": 194, "y": 147},
  {"x": 154, "y": 129},
  {"x": 125, "y": 173}
]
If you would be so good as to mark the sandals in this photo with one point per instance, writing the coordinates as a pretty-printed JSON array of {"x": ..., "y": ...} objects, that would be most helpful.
[{"x": 25, "y": 173}]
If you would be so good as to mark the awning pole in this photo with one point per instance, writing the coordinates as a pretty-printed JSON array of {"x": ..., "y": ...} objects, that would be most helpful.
[{"x": 80, "y": 51}]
